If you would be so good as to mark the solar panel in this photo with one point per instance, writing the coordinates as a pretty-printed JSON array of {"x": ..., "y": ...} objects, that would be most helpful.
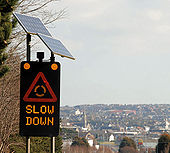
[
  {"x": 55, "y": 46},
  {"x": 32, "y": 25}
]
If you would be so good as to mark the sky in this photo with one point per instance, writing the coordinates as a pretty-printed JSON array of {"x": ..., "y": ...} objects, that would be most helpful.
[{"x": 122, "y": 51}]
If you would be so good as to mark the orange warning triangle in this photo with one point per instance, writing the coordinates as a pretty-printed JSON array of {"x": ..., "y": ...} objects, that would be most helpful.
[{"x": 26, "y": 97}]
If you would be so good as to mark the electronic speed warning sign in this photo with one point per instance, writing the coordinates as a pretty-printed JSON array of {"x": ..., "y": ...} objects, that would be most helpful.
[{"x": 39, "y": 98}]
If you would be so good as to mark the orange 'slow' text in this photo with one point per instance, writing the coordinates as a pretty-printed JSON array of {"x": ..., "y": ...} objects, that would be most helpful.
[{"x": 43, "y": 109}]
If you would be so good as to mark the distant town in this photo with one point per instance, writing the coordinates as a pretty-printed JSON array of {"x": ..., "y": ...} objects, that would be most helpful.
[{"x": 103, "y": 124}]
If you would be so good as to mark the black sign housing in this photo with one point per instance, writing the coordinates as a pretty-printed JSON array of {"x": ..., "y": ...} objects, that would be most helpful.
[{"x": 39, "y": 98}]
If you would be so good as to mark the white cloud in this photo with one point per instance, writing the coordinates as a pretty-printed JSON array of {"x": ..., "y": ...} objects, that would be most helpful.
[
  {"x": 163, "y": 29},
  {"x": 155, "y": 15}
]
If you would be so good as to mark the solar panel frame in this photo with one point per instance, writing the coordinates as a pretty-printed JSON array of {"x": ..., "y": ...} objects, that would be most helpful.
[
  {"x": 55, "y": 46},
  {"x": 31, "y": 25}
]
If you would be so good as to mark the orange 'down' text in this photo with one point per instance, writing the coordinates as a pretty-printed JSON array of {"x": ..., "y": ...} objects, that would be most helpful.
[{"x": 40, "y": 121}]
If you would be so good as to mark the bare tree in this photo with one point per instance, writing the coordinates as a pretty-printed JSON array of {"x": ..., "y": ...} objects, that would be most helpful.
[{"x": 10, "y": 83}]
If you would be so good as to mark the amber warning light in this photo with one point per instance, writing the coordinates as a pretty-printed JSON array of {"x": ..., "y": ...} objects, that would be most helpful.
[
  {"x": 26, "y": 66},
  {"x": 54, "y": 66}
]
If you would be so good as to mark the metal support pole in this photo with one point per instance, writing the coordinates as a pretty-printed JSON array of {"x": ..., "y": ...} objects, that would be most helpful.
[
  {"x": 52, "y": 58},
  {"x": 28, "y": 54},
  {"x": 52, "y": 144},
  {"x": 28, "y": 47},
  {"x": 28, "y": 148}
]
